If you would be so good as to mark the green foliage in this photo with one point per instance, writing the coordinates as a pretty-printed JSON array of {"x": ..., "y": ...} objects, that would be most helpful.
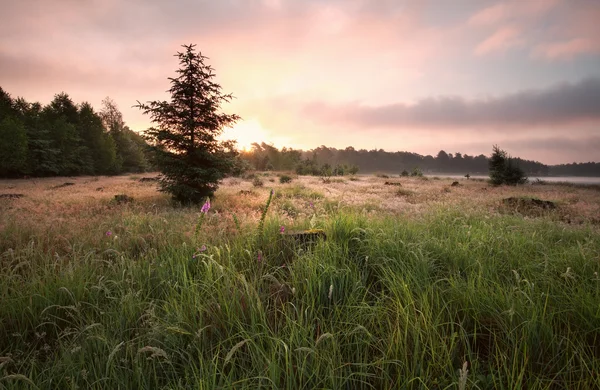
[
  {"x": 377, "y": 305},
  {"x": 416, "y": 172},
  {"x": 13, "y": 147},
  {"x": 404, "y": 173},
  {"x": 62, "y": 138},
  {"x": 312, "y": 167},
  {"x": 130, "y": 146},
  {"x": 502, "y": 169},
  {"x": 263, "y": 214},
  {"x": 184, "y": 141}
]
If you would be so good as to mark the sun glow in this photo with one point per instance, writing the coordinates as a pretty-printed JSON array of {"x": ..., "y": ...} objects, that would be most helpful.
[{"x": 246, "y": 133}]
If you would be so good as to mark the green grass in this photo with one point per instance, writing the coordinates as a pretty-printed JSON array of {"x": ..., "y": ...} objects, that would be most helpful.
[{"x": 382, "y": 303}]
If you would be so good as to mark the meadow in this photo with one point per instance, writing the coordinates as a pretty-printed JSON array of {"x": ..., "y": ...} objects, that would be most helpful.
[{"x": 421, "y": 285}]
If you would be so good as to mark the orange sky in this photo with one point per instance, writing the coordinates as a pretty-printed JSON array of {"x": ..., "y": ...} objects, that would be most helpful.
[{"x": 418, "y": 76}]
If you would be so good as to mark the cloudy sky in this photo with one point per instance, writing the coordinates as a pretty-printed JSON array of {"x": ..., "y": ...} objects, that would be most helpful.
[{"x": 419, "y": 76}]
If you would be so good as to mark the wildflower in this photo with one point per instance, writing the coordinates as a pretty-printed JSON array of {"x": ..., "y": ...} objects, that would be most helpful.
[
  {"x": 108, "y": 233},
  {"x": 272, "y": 192},
  {"x": 199, "y": 250},
  {"x": 259, "y": 257},
  {"x": 312, "y": 205},
  {"x": 205, "y": 206},
  {"x": 282, "y": 229}
]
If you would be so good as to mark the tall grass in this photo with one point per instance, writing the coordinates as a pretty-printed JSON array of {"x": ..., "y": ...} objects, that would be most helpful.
[{"x": 452, "y": 299}]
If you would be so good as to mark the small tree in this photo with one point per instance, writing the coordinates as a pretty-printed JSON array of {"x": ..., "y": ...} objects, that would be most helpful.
[
  {"x": 184, "y": 142},
  {"x": 503, "y": 170}
]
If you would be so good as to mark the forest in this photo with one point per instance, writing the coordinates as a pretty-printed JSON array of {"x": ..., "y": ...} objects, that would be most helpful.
[
  {"x": 266, "y": 157},
  {"x": 65, "y": 139},
  {"x": 68, "y": 139}
]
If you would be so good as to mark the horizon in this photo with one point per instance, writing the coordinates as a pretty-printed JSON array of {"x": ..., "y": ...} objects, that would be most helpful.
[{"x": 399, "y": 76}]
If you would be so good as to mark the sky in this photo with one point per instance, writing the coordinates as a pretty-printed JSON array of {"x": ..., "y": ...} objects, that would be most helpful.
[{"x": 418, "y": 76}]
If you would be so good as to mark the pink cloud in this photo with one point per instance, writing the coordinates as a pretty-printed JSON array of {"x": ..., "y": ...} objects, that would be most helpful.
[
  {"x": 565, "y": 49},
  {"x": 578, "y": 33},
  {"x": 490, "y": 15},
  {"x": 511, "y": 10},
  {"x": 503, "y": 39}
]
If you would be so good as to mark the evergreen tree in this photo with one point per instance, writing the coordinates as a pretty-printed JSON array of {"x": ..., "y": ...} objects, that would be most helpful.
[
  {"x": 502, "y": 169},
  {"x": 62, "y": 119},
  {"x": 184, "y": 141},
  {"x": 102, "y": 151},
  {"x": 43, "y": 158},
  {"x": 7, "y": 105},
  {"x": 13, "y": 147},
  {"x": 497, "y": 165}
]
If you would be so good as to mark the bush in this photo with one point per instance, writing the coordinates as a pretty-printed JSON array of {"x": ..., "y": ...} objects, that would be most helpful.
[
  {"x": 417, "y": 172},
  {"x": 285, "y": 179},
  {"x": 404, "y": 173},
  {"x": 257, "y": 182}
]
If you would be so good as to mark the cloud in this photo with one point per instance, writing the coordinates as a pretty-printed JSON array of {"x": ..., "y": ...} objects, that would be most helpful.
[
  {"x": 565, "y": 49},
  {"x": 502, "y": 40},
  {"x": 490, "y": 15},
  {"x": 552, "y": 29},
  {"x": 576, "y": 34},
  {"x": 511, "y": 10},
  {"x": 560, "y": 104}
]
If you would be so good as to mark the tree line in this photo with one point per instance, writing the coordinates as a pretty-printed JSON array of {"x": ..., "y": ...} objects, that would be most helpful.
[
  {"x": 65, "y": 139},
  {"x": 267, "y": 157}
]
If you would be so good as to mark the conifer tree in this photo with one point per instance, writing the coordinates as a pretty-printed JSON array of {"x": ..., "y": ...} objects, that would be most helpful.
[
  {"x": 184, "y": 140},
  {"x": 503, "y": 169}
]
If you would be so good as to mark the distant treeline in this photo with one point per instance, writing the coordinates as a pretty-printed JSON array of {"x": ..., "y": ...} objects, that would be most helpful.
[
  {"x": 267, "y": 157},
  {"x": 65, "y": 139}
]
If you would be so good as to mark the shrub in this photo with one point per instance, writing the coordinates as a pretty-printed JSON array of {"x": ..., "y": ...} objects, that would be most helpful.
[
  {"x": 285, "y": 179},
  {"x": 257, "y": 182},
  {"x": 417, "y": 172}
]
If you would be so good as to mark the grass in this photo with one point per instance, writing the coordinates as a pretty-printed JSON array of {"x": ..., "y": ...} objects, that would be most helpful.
[{"x": 426, "y": 294}]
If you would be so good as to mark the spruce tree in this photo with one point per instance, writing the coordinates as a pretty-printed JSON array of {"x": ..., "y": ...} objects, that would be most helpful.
[
  {"x": 184, "y": 140},
  {"x": 13, "y": 147},
  {"x": 503, "y": 170}
]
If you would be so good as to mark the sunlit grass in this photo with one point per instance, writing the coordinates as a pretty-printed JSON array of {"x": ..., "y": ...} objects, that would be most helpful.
[{"x": 391, "y": 299}]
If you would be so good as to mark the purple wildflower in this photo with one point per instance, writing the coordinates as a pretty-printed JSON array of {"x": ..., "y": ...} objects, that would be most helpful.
[
  {"x": 282, "y": 229},
  {"x": 272, "y": 192},
  {"x": 259, "y": 257},
  {"x": 199, "y": 250},
  {"x": 312, "y": 205},
  {"x": 108, "y": 233},
  {"x": 205, "y": 207}
]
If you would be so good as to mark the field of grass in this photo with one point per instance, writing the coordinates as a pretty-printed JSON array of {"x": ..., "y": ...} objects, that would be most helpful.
[{"x": 421, "y": 285}]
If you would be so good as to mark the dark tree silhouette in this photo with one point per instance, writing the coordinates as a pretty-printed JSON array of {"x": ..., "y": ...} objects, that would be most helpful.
[
  {"x": 503, "y": 169},
  {"x": 184, "y": 140}
]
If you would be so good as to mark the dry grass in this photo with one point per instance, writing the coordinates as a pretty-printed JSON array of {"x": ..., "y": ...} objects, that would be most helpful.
[{"x": 89, "y": 202}]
